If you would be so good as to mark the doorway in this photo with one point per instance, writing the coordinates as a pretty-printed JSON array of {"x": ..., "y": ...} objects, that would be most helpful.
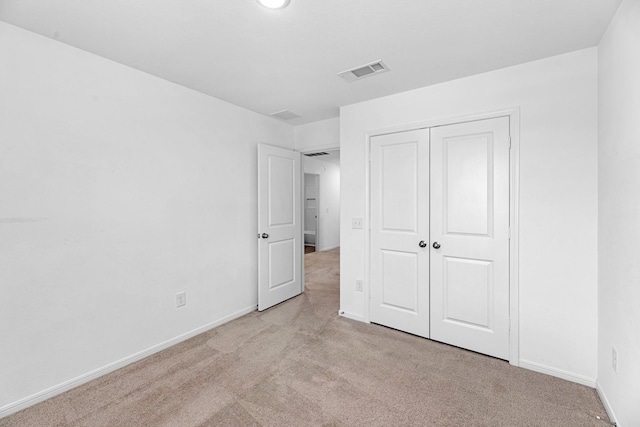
[
  {"x": 311, "y": 206},
  {"x": 321, "y": 200}
]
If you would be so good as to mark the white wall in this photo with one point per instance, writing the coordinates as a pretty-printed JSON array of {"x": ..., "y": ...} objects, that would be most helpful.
[
  {"x": 619, "y": 214},
  {"x": 118, "y": 191},
  {"x": 316, "y": 136},
  {"x": 558, "y": 196},
  {"x": 329, "y": 209}
]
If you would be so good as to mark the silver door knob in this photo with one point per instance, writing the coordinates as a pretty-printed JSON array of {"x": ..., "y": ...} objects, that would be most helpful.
[
  {"x": 436, "y": 245},
  {"x": 422, "y": 244},
  {"x": 265, "y": 236}
]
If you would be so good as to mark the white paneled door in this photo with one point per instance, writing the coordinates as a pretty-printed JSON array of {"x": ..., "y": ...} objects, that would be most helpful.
[
  {"x": 400, "y": 231},
  {"x": 470, "y": 236},
  {"x": 279, "y": 226},
  {"x": 440, "y": 234}
]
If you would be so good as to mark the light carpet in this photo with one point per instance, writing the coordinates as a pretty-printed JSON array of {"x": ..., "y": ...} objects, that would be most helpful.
[{"x": 300, "y": 364}]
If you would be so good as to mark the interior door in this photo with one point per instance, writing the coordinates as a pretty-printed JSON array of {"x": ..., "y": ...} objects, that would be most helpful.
[
  {"x": 279, "y": 226},
  {"x": 400, "y": 231},
  {"x": 470, "y": 235}
]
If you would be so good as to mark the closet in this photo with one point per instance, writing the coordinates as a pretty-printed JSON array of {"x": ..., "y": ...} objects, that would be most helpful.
[{"x": 439, "y": 241}]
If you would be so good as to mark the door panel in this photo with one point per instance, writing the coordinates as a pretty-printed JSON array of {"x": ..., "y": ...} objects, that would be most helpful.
[
  {"x": 279, "y": 225},
  {"x": 399, "y": 221},
  {"x": 282, "y": 262},
  {"x": 468, "y": 286},
  {"x": 467, "y": 181},
  {"x": 469, "y": 277},
  {"x": 399, "y": 182},
  {"x": 280, "y": 185},
  {"x": 399, "y": 294}
]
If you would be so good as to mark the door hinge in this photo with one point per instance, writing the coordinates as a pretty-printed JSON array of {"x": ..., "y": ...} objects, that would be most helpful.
[
  {"x": 509, "y": 232},
  {"x": 509, "y": 143}
]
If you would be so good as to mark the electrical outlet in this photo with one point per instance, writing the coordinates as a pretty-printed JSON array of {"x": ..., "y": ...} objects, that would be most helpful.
[
  {"x": 356, "y": 222},
  {"x": 614, "y": 359},
  {"x": 181, "y": 299},
  {"x": 359, "y": 286}
]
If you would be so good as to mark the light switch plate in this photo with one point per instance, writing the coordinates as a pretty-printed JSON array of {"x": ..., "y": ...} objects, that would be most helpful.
[{"x": 181, "y": 299}]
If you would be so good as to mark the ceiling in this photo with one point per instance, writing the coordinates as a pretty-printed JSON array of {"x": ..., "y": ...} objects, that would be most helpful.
[{"x": 273, "y": 60}]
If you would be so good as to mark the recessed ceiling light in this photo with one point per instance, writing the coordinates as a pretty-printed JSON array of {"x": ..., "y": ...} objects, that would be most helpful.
[{"x": 274, "y": 4}]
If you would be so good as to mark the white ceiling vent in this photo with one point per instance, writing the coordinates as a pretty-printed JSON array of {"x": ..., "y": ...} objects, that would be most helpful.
[
  {"x": 285, "y": 115},
  {"x": 363, "y": 71}
]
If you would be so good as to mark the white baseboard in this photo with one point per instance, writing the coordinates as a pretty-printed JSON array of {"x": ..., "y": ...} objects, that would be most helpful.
[
  {"x": 328, "y": 248},
  {"x": 50, "y": 392},
  {"x": 554, "y": 372},
  {"x": 352, "y": 316},
  {"x": 606, "y": 404}
]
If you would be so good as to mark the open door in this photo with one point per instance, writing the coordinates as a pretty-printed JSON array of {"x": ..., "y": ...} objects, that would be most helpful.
[{"x": 279, "y": 226}]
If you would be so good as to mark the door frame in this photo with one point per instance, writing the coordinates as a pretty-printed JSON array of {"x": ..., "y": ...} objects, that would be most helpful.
[{"x": 514, "y": 197}]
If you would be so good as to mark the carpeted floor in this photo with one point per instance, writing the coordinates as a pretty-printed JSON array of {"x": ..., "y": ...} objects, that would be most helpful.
[{"x": 300, "y": 364}]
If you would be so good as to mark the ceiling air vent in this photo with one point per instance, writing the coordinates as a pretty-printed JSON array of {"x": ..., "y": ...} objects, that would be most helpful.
[
  {"x": 285, "y": 115},
  {"x": 320, "y": 153},
  {"x": 363, "y": 71}
]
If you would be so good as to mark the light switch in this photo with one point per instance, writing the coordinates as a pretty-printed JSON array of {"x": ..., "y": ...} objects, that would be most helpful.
[{"x": 356, "y": 222}]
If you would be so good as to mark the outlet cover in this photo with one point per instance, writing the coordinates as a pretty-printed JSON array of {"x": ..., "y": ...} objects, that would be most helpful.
[{"x": 359, "y": 286}]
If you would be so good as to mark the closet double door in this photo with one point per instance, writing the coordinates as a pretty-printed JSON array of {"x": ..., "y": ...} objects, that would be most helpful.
[{"x": 440, "y": 234}]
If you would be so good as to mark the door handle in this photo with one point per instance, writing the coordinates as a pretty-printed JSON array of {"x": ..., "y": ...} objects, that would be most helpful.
[
  {"x": 422, "y": 244},
  {"x": 436, "y": 245},
  {"x": 265, "y": 236}
]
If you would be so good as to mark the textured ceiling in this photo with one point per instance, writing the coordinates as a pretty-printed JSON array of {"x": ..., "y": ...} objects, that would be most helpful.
[{"x": 268, "y": 61}]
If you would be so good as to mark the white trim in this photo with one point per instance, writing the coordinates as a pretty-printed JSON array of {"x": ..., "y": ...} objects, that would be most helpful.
[
  {"x": 352, "y": 316},
  {"x": 606, "y": 404},
  {"x": 329, "y": 248},
  {"x": 514, "y": 209},
  {"x": 514, "y": 242},
  {"x": 367, "y": 228},
  {"x": 50, "y": 392},
  {"x": 559, "y": 373},
  {"x": 445, "y": 121},
  {"x": 315, "y": 149},
  {"x": 303, "y": 189}
]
